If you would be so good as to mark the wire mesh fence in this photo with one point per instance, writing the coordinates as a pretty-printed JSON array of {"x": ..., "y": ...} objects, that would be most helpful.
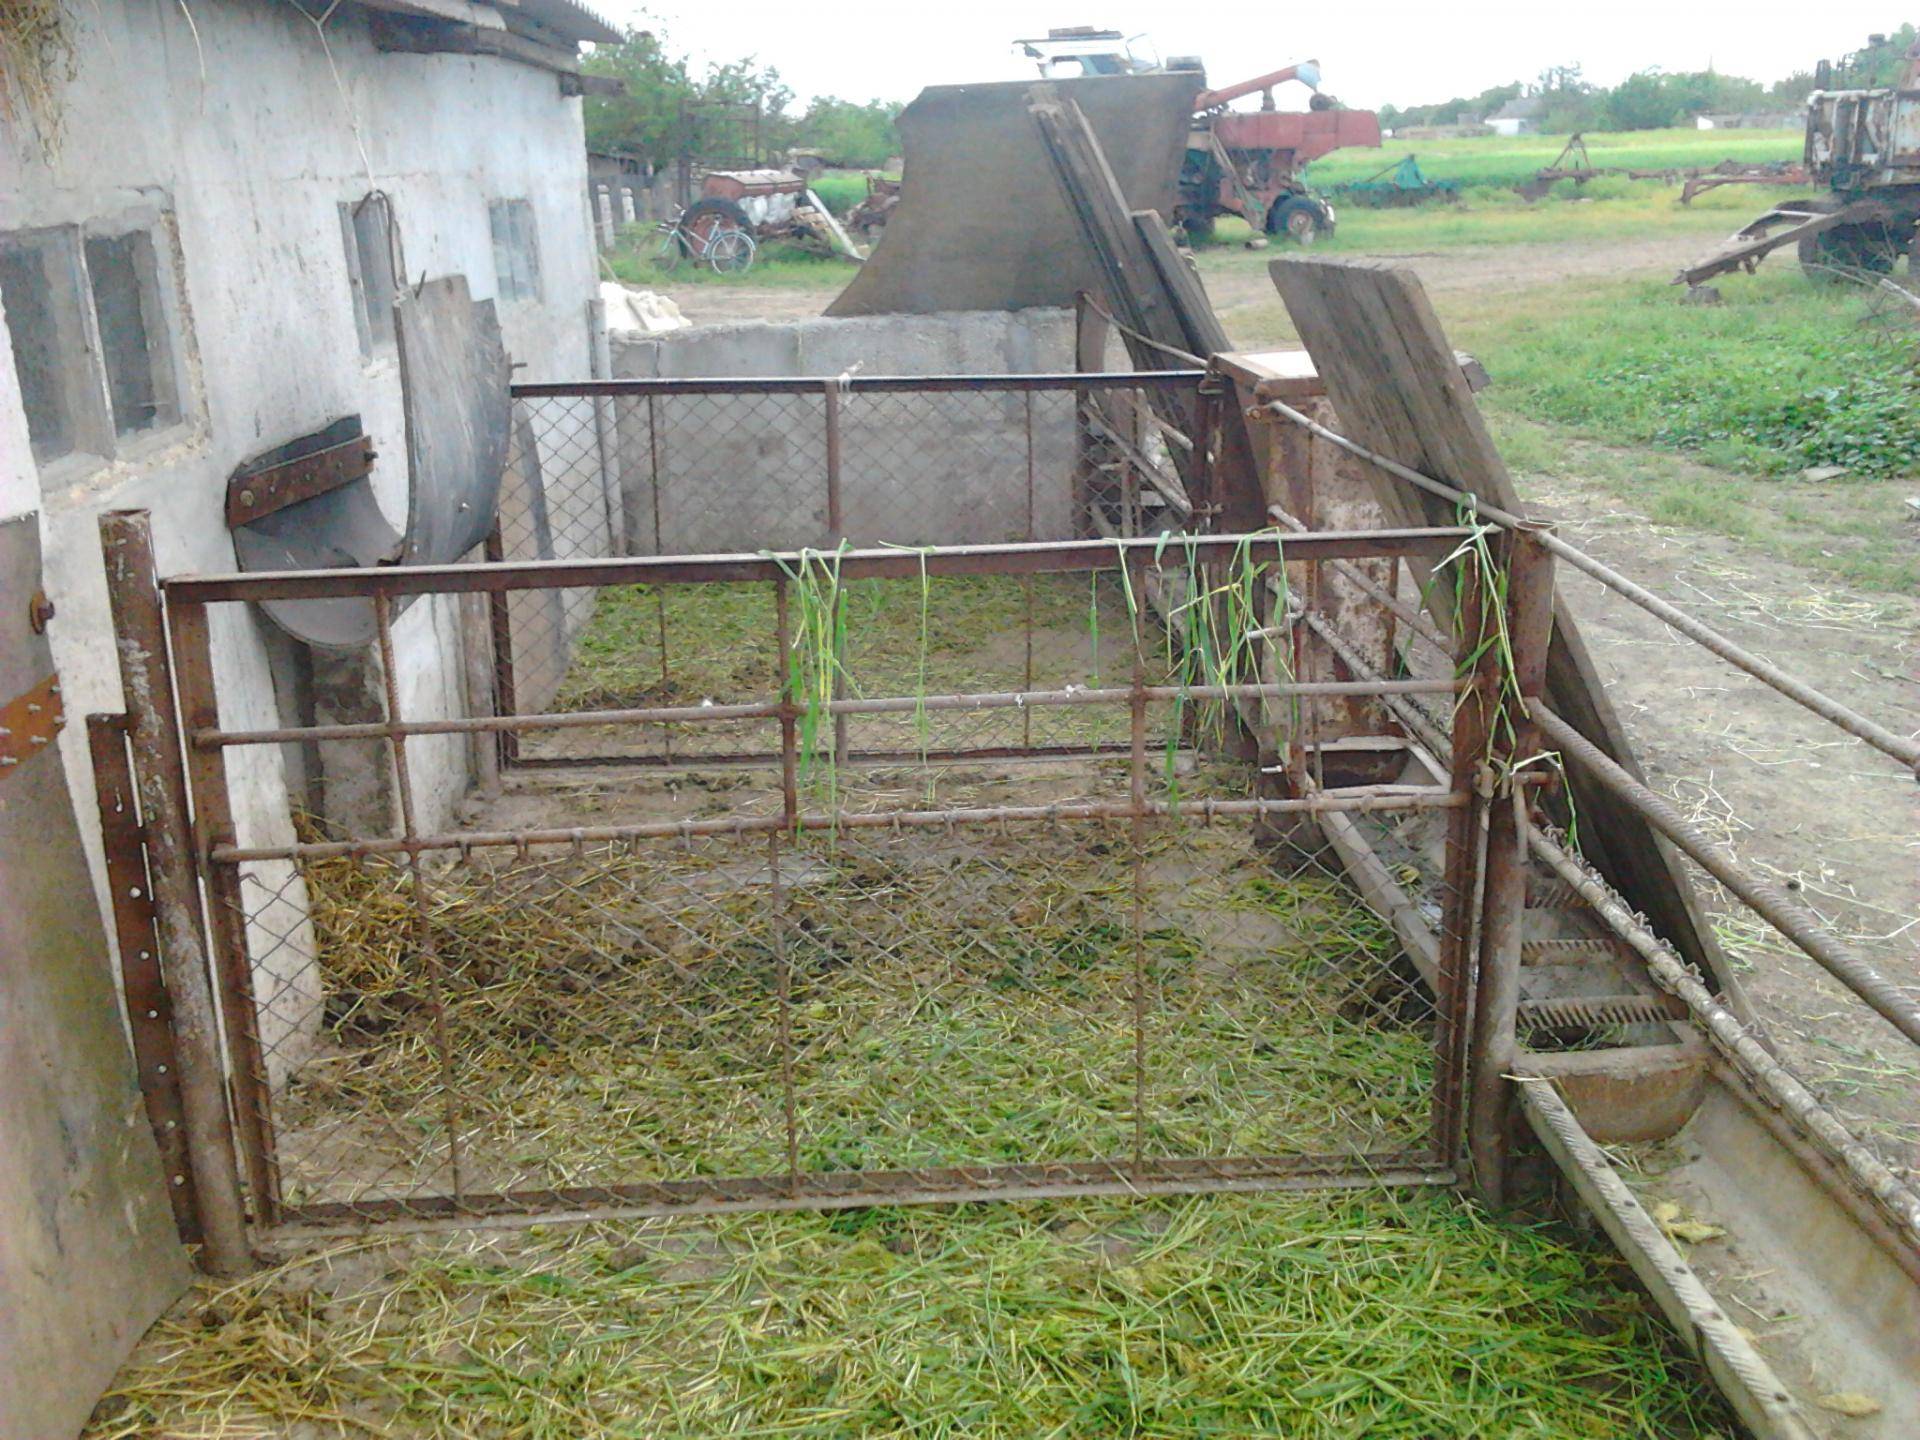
[
  {"x": 1132, "y": 962},
  {"x": 689, "y": 468}
]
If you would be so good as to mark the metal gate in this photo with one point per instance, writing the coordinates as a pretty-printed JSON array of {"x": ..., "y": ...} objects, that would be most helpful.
[{"x": 924, "y": 873}]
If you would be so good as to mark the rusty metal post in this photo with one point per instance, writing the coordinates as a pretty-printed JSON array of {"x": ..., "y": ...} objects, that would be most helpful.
[
  {"x": 232, "y": 956},
  {"x": 153, "y": 730},
  {"x": 1026, "y": 585},
  {"x": 1514, "y": 741},
  {"x": 1137, "y": 829},
  {"x": 836, "y": 536},
  {"x": 424, "y": 938},
  {"x": 836, "y": 521},
  {"x": 500, "y": 614},
  {"x": 1453, "y": 979}
]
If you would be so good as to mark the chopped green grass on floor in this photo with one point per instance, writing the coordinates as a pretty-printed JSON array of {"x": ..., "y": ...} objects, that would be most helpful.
[{"x": 1382, "y": 1315}]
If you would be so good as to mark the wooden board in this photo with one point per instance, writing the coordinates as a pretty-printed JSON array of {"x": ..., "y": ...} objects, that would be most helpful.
[{"x": 1397, "y": 387}]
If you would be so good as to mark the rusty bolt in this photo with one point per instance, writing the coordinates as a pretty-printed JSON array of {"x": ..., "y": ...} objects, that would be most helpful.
[
  {"x": 39, "y": 612},
  {"x": 246, "y": 497}
]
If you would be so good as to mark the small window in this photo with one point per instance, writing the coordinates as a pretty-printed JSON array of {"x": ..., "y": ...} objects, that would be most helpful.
[
  {"x": 373, "y": 270},
  {"x": 134, "y": 348},
  {"x": 40, "y": 286},
  {"x": 516, "y": 250}
]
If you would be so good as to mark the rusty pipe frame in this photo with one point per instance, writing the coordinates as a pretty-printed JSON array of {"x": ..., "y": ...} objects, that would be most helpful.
[
  {"x": 1766, "y": 899},
  {"x": 153, "y": 733},
  {"x": 877, "y": 384},
  {"x": 774, "y": 710},
  {"x": 1902, "y": 748},
  {"x": 1081, "y": 813},
  {"x": 887, "y": 563}
]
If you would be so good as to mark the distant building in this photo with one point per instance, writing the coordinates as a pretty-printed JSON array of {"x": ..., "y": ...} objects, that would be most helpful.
[{"x": 1518, "y": 117}]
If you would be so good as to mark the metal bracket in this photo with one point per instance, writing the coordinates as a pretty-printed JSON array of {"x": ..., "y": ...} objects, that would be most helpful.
[
  {"x": 253, "y": 493},
  {"x": 29, "y": 723}
]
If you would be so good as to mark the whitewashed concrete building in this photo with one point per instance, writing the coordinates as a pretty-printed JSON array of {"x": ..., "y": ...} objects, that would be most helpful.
[{"x": 202, "y": 224}]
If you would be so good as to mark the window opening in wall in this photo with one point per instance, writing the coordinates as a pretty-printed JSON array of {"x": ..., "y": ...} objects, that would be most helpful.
[
  {"x": 373, "y": 269},
  {"x": 40, "y": 288},
  {"x": 516, "y": 250},
  {"x": 134, "y": 347}
]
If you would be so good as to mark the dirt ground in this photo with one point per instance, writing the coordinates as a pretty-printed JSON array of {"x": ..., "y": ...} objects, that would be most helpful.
[
  {"x": 1830, "y": 819},
  {"x": 1242, "y": 294}
]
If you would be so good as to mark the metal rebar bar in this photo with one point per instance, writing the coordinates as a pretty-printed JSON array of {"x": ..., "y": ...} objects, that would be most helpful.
[
  {"x": 1043, "y": 557},
  {"x": 770, "y": 710},
  {"x": 1902, "y": 748},
  {"x": 1367, "y": 585},
  {"x": 1779, "y": 1084},
  {"x": 1362, "y": 803},
  {"x": 1766, "y": 899}
]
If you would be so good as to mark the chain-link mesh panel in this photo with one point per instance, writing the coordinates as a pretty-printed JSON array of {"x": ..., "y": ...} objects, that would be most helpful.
[
  {"x": 679, "y": 471},
  {"x": 516, "y": 1027}
]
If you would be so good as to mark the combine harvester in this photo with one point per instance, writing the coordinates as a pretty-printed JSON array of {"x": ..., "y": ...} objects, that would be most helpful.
[{"x": 965, "y": 234}]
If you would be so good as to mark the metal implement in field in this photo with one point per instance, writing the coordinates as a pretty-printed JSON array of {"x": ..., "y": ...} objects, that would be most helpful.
[
  {"x": 1396, "y": 186},
  {"x": 1864, "y": 146}
]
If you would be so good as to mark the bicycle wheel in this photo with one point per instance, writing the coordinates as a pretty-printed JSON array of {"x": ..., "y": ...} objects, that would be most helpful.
[
  {"x": 731, "y": 252},
  {"x": 672, "y": 247}
]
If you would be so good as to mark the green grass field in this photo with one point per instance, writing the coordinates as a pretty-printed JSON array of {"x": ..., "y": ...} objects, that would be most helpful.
[{"x": 1500, "y": 160}]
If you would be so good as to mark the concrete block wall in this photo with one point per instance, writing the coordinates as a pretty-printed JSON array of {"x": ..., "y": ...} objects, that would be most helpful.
[{"x": 745, "y": 473}]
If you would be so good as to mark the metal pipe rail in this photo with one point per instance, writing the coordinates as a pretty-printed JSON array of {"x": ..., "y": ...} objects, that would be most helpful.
[
  {"x": 854, "y": 384},
  {"x": 1766, "y": 899},
  {"x": 830, "y": 821},
  {"x": 774, "y": 710},
  {"x": 890, "y": 563},
  {"x": 1900, "y": 747}
]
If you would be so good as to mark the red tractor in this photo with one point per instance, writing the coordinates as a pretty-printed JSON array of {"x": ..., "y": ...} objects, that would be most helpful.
[{"x": 1245, "y": 163}]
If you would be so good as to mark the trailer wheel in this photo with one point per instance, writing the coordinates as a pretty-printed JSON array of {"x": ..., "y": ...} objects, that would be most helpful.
[
  {"x": 1834, "y": 255},
  {"x": 1199, "y": 228},
  {"x": 1297, "y": 218}
]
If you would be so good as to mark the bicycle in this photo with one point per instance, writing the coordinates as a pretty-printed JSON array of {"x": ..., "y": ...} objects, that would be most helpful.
[{"x": 706, "y": 239}]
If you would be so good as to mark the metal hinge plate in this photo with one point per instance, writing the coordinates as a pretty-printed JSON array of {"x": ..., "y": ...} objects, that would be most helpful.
[{"x": 29, "y": 723}]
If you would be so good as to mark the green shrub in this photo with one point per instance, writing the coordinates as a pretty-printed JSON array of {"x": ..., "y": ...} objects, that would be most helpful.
[{"x": 1782, "y": 377}]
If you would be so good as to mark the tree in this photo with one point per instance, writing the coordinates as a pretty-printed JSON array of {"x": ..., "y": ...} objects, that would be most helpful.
[
  {"x": 659, "y": 117},
  {"x": 847, "y": 132}
]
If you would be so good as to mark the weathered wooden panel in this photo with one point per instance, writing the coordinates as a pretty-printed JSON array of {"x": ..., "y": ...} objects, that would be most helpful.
[{"x": 1397, "y": 386}]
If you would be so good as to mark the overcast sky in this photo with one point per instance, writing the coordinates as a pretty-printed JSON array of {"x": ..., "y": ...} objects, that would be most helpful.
[{"x": 1372, "y": 53}]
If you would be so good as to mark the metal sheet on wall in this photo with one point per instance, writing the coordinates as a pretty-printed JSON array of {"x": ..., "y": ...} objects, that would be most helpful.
[
  {"x": 453, "y": 379},
  {"x": 88, "y": 1254},
  {"x": 981, "y": 225}
]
